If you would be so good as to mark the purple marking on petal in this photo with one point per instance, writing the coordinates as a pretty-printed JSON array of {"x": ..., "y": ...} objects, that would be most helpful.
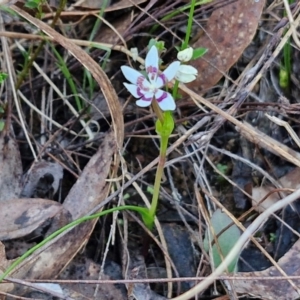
[
  {"x": 162, "y": 97},
  {"x": 163, "y": 77},
  {"x": 140, "y": 94},
  {"x": 146, "y": 99},
  {"x": 152, "y": 72},
  {"x": 143, "y": 96},
  {"x": 152, "y": 60},
  {"x": 141, "y": 83},
  {"x": 168, "y": 102}
]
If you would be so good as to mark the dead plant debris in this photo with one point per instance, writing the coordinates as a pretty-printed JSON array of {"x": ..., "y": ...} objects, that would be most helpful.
[{"x": 91, "y": 141}]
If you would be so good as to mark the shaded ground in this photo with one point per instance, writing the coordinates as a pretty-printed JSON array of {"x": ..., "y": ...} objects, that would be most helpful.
[{"x": 225, "y": 151}]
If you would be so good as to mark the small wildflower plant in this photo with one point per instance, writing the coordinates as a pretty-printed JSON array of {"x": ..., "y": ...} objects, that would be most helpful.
[
  {"x": 148, "y": 89},
  {"x": 151, "y": 88}
]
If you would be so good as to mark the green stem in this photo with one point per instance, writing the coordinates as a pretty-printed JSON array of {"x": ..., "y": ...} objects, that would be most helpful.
[
  {"x": 175, "y": 89},
  {"x": 287, "y": 61},
  {"x": 189, "y": 25},
  {"x": 186, "y": 41},
  {"x": 141, "y": 210},
  {"x": 159, "y": 172},
  {"x": 177, "y": 12}
]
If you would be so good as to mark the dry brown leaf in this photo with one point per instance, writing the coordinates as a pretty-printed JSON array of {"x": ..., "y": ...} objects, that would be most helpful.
[
  {"x": 37, "y": 172},
  {"x": 137, "y": 270},
  {"x": 107, "y": 35},
  {"x": 89, "y": 190},
  {"x": 10, "y": 168},
  {"x": 229, "y": 30},
  {"x": 20, "y": 217},
  {"x": 4, "y": 263},
  {"x": 288, "y": 181},
  {"x": 273, "y": 288},
  {"x": 91, "y": 185}
]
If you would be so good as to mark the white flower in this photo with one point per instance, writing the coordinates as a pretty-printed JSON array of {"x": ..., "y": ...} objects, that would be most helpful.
[
  {"x": 186, "y": 73},
  {"x": 148, "y": 88},
  {"x": 135, "y": 53},
  {"x": 185, "y": 55}
]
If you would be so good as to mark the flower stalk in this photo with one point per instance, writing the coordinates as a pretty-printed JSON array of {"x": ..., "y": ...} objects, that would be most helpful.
[
  {"x": 164, "y": 129},
  {"x": 148, "y": 90}
]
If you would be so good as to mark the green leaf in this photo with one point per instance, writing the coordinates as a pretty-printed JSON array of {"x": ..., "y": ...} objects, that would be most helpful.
[
  {"x": 150, "y": 190},
  {"x": 226, "y": 240},
  {"x": 158, "y": 44},
  {"x": 283, "y": 78},
  {"x": 273, "y": 237},
  {"x": 146, "y": 216},
  {"x": 199, "y": 52},
  {"x": 2, "y": 124},
  {"x": 222, "y": 168},
  {"x": 166, "y": 128},
  {"x": 144, "y": 212},
  {"x": 32, "y": 4},
  {"x": 3, "y": 76}
]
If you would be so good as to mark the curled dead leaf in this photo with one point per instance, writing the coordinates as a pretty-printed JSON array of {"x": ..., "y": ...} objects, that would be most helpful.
[
  {"x": 229, "y": 30},
  {"x": 279, "y": 289},
  {"x": 20, "y": 217},
  {"x": 288, "y": 181},
  {"x": 10, "y": 168}
]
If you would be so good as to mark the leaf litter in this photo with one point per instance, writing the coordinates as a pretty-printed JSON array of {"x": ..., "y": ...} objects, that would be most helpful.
[
  {"x": 20, "y": 217},
  {"x": 10, "y": 168},
  {"x": 48, "y": 262},
  {"x": 42, "y": 173},
  {"x": 86, "y": 194}
]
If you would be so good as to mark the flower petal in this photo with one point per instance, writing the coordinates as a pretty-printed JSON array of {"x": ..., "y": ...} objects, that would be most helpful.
[
  {"x": 151, "y": 64},
  {"x": 147, "y": 96},
  {"x": 185, "y": 78},
  {"x": 142, "y": 103},
  {"x": 144, "y": 84},
  {"x": 131, "y": 75},
  {"x": 168, "y": 74},
  {"x": 187, "y": 69},
  {"x": 185, "y": 55},
  {"x": 136, "y": 92},
  {"x": 165, "y": 100},
  {"x": 132, "y": 89},
  {"x": 186, "y": 73}
]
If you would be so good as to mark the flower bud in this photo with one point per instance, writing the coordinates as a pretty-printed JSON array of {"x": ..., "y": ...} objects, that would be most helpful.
[
  {"x": 185, "y": 55},
  {"x": 135, "y": 53},
  {"x": 186, "y": 73}
]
